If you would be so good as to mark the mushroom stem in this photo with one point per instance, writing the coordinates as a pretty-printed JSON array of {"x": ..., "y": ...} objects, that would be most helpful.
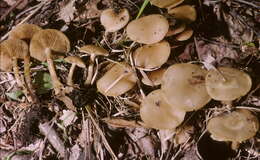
[
  {"x": 95, "y": 73},
  {"x": 28, "y": 79},
  {"x": 70, "y": 76},
  {"x": 90, "y": 69},
  {"x": 16, "y": 72},
  {"x": 57, "y": 85},
  {"x": 116, "y": 81}
]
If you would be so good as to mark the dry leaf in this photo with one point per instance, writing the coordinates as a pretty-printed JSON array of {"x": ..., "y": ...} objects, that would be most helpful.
[
  {"x": 67, "y": 11},
  {"x": 121, "y": 123},
  {"x": 68, "y": 117}
]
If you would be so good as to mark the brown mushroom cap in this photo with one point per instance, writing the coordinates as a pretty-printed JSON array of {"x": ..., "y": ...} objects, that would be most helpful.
[
  {"x": 123, "y": 84},
  {"x": 24, "y": 31},
  {"x": 155, "y": 77},
  {"x": 5, "y": 59},
  {"x": 148, "y": 30},
  {"x": 186, "y": 13},
  {"x": 76, "y": 60},
  {"x": 152, "y": 56},
  {"x": 15, "y": 48},
  {"x": 53, "y": 39},
  {"x": 227, "y": 84},
  {"x": 114, "y": 21},
  {"x": 176, "y": 29},
  {"x": 185, "y": 35},
  {"x": 157, "y": 113},
  {"x": 236, "y": 126},
  {"x": 92, "y": 49},
  {"x": 183, "y": 86},
  {"x": 166, "y": 3}
]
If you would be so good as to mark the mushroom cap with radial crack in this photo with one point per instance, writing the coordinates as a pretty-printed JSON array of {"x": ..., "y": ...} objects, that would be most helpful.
[
  {"x": 51, "y": 39},
  {"x": 24, "y": 31},
  {"x": 76, "y": 60},
  {"x": 148, "y": 29},
  {"x": 152, "y": 56},
  {"x": 125, "y": 83},
  {"x": 5, "y": 59},
  {"x": 183, "y": 85},
  {"x": 166, "y": 3},
  {"x": 186, "y": 13},
  {"x": 227, "y": 84},
  {"x": 114, "y": 21},
  {"x": 185, "y": 35},
  {"x": 236, "y": 126},
  {"x": 155, "y": 77},
  {"x": 15, "y": 48},
  {"x": 157, "y": 113},
  {"x": 176, "y": 29},
  {"x": 93, "y": 49}
]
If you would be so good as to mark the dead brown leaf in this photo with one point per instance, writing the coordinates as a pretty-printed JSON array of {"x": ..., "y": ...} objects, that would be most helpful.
[{"x": 67, "y": 11}]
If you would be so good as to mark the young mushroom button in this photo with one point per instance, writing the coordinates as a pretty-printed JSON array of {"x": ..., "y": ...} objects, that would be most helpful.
[
  {"x": 157, "y": 113},
  {"x": 183, "y": 86},
  {"x": 44, "y": 45},
  {"x": 113, "y": 20},
  {"x": 75, "y": 61},
  {"x": 93, "y": 51},
  {"x": 148, "y": 30}
]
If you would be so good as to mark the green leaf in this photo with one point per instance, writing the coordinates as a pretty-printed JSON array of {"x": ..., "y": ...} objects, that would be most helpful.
[
  {"x": 142, "y": 8},
  {"x": 14, "y": 95},
  {"x": 43, "y": 82}
]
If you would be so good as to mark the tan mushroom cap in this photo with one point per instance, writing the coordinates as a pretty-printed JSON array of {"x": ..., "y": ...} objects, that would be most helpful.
[
  {"x": 227, "y": 84},
  {"x": 157, "y": 113},
  {"x": 185, "y": 35},
  {"x": 53, "y": 39},
  {"x": 114, "y": 21},
  {"x": 120, "y": 78},
  {"x": 76, "y": 60},
  {"x": 24, "y": 31},
  {"x": 92, "y": 49},
  {"x": 183, "y": 86},
  {"x": 155, "y": 77},
  {"x": 166, "y": 3},
  {"x": 5, "y": 60},
  {"x": 236, "y": 126},
  {"x": 186, "y": 13},
  {"x": 15, "y": 48},
  {"x": 148, "y": 29},
  {"x": 176, "y": 29},
  {"x": 152, "y": 56}
]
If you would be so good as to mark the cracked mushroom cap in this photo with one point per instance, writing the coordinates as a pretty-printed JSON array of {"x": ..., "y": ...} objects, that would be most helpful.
[
  {"x": 155, "y": 77},
  {"x": 92, "y": 49},
  {"x": 148, "y": 29},
  {"x": 166, "y": 3},
  {"x": 186, "y": 13},
  {"x": 53, "y": 39},
  {"x": 157, "y": 113},
  {"x": 117, "y": 81},
  {"x": 236, "y": 126},
  {"x": 15, "y": 48},
  {"x": 183, "y": 85},
  {"x": 227, "y": 84},
  {"x": 24, "y": 31},
  {"x": 114, "y": 21},
  {"x": 75, "y": 60},
  {"x": 152, "y": 56}
]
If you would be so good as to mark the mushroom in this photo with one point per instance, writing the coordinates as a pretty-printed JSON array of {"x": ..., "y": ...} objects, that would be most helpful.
[
  {"x": 93, "y": 51},
  {"x": 117, "y": 81},
  {"x": 227, "y": 84},
  {"x": 183, "y": 86},
  {"x": 157, "y": 113},
  {"x": 148, "y": 29},
  {"x": 114, "y": 20},
  {"x": 176, "y": 29},
  {"x": 75, "y": 61},
  {"x": 166, "y": 3},
  {"x": 5, "y": 60},
  {"x": 185, "y": 35},
  {"x": 155, "y": 77},
  {"x": 44, "y": 44},
  {"x": 186, "y": 13},
  {"x": 236, "y": 126},
  {"x": 24, "y": 31}
]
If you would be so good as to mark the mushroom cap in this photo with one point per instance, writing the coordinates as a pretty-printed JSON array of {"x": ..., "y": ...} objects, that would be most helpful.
[
  {"x": 155, "y": 77},
  {"x": 183, "y": 86},
  {"x": 186, "y": 13},
  {"x": 227, "y": 84},
  {"x": 48, "y": 38},
  {"x": 166, "y": 3},
  {"x": 76, "y": 60},
  {"x": 176, "y": 29},
  {"x": 236, "y": 126},
  {"x": 157, "y": 113},
  {"x": 152, "y": 56},
  {"x": 148, "y": 29},
  {"x": 24, "y": 31},
  {"x": 15, "y": 48},
  {"x": 185, "y": 35},
  {"x": 5, "y": 59},
  {"x": 113, "y": 21},
  {"x": 92, "y": 49},
  {"x": 126, "y": 83}
]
